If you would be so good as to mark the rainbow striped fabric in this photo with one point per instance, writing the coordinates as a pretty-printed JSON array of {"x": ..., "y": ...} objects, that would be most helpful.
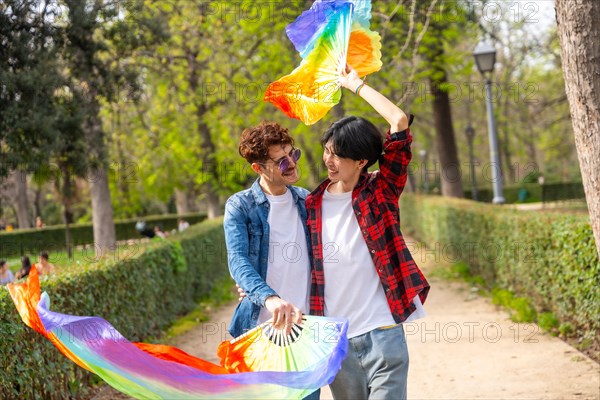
[
  {"x": 331, "y": 34},
  {"x": 260, "y": 364}
]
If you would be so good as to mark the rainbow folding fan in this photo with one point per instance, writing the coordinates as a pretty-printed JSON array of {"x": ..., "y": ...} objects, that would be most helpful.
[
  {"x": 266, "y": 349},
  {"x": 331, "y": 34},
  {"x": 263, "y": 363}
]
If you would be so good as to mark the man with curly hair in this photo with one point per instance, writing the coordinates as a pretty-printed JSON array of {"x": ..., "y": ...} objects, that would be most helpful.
[{"x": 266, "y": 233}]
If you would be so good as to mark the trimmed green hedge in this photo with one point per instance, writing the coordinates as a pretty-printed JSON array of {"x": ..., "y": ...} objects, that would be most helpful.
[
  {"x": 140, "y": 297},
  {"x": 52, "y": 239},
  {"x": 511, "y": 194},
  {"x": 534, "y": 192},
  {"x": 550, "y": 258}
]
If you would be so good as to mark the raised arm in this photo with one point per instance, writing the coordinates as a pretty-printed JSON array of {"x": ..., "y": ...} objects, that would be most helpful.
[{"x": 392, "y": 113}]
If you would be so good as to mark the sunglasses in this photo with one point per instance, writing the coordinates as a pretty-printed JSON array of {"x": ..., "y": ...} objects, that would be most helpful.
[{"x": 284, "y": 163}]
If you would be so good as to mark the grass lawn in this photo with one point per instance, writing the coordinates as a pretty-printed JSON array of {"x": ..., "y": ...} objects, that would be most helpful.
[{"x": 84, "y": 255}]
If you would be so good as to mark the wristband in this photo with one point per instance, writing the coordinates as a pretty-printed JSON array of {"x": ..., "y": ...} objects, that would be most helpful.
[{"x": 359, "y": 87}]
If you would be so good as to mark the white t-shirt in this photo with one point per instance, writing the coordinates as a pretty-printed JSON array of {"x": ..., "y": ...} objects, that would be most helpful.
[
  {"x": 288, "y": 271},
  {"x": 352, "y": 286}
]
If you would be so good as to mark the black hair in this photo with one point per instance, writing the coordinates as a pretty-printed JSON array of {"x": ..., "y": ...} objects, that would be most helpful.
[
  {"x": 25, "y": 268},
  {"x": 2, "y": 262},
  {"x": 355, "y": 138},
  {"x": 44, "y": 255}
]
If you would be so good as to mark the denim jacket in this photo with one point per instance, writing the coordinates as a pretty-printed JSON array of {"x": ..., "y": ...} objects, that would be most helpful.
[{"x": 247, "y": 240}]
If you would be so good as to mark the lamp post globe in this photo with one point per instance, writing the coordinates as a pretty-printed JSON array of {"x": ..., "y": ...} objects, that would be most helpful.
[{"x": 485, "y": 57}]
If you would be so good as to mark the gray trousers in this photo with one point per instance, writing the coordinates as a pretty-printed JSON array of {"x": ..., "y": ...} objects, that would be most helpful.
[{"x": 376, "y": 366}]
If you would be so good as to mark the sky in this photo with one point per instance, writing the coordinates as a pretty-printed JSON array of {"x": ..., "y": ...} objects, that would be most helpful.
[{"x": 540, "y": 10}]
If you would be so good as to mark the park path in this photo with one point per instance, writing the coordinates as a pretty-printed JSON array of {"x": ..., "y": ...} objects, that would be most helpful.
[{"x": 465, "y": 348}]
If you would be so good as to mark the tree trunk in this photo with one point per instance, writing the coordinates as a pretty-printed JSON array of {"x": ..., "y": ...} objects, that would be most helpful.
[
  {"x": 123, "y": 179},
  {"x": 411, "y": 183},
  {"x": 181, "y": 202},
  {"x": 22, "y": 201},
  {"x": 37, "y": 201},
  {"x": 212, "y": 202},
  {"x": 504, "y": 145},
  {"x": 579, "y": 35},
  {"x": 102, "y": 212},
  {"x": 67, "y": 217},
  {"x": 209, "y": 165},
  {"x": 66, "y": 194},
  {"x": 450, "y": 174},
  {"x": 93, "y": 79}
]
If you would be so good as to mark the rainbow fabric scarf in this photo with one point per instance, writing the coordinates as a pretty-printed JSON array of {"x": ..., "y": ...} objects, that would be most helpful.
[{"x": 259, "y": 364}]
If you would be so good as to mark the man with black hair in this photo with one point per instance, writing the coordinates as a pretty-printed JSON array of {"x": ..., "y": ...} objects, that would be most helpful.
[{"x": 362, "y": 269}]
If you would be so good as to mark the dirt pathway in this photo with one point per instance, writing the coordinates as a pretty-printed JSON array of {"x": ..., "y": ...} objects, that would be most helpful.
[{"x": 466, "y": 348}]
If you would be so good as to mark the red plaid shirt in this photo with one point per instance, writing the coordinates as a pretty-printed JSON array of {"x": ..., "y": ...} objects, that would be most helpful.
[{"x": 375, "y": 203}]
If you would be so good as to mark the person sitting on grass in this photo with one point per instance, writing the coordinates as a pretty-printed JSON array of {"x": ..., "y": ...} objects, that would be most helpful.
[
  {"x": 25, "y": 268},
  {"x": 43, "y": 266},
  {"x": 159, "y": 233},
  {"x": 6, "y": 275}
]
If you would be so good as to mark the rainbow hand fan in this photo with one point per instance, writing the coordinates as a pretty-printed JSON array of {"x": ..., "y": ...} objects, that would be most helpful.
[
  {"x": 157, "y": 371},
  {"x": 267, "y": 349},
  {"x": 327, "y": 36}
]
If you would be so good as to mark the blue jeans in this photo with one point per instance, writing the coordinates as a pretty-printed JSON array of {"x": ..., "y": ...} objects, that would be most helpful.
[
  {"x": 316, "y": 395},
  {"x": 376, "y": 366}
]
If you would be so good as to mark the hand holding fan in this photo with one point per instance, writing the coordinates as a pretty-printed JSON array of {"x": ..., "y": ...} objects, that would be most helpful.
[{"x": 316, "y": 341}]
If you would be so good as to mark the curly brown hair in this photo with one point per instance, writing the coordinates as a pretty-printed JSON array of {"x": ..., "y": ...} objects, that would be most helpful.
[{"x": 255, "y": 142}]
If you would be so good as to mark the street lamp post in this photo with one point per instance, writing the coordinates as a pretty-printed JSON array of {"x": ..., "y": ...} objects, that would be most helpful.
[
  {"x": 485, "y": 58},
  {"x": 423, "y": 154},
  {"x": 470, "y": 133}
]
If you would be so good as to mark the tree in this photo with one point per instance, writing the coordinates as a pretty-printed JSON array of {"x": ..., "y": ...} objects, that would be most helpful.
[
  {"x": 579, "y": 34},
  {"x": 69, "y": 155},
  {"x": 98, "y": 34},
  {"x": 531, "y": 105},
  {"x": 203, "y": 85},
  {"x": 416, "y": 36},
  {"x": 28, "y": 79},
  {"x": 451, "y": 179}
]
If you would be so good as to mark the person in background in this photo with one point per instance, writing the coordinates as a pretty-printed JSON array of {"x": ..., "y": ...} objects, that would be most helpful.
[
  {"x": 6, "y": 275},
  {"x": 159, "y": 233},
  {"x": 144, "y": 229},
  {"x": 183, "y": 225},
  {"x": 43, "y": 266},
  {"x": 25, "y": 268},
  {"x": 39, "y": 223}
]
